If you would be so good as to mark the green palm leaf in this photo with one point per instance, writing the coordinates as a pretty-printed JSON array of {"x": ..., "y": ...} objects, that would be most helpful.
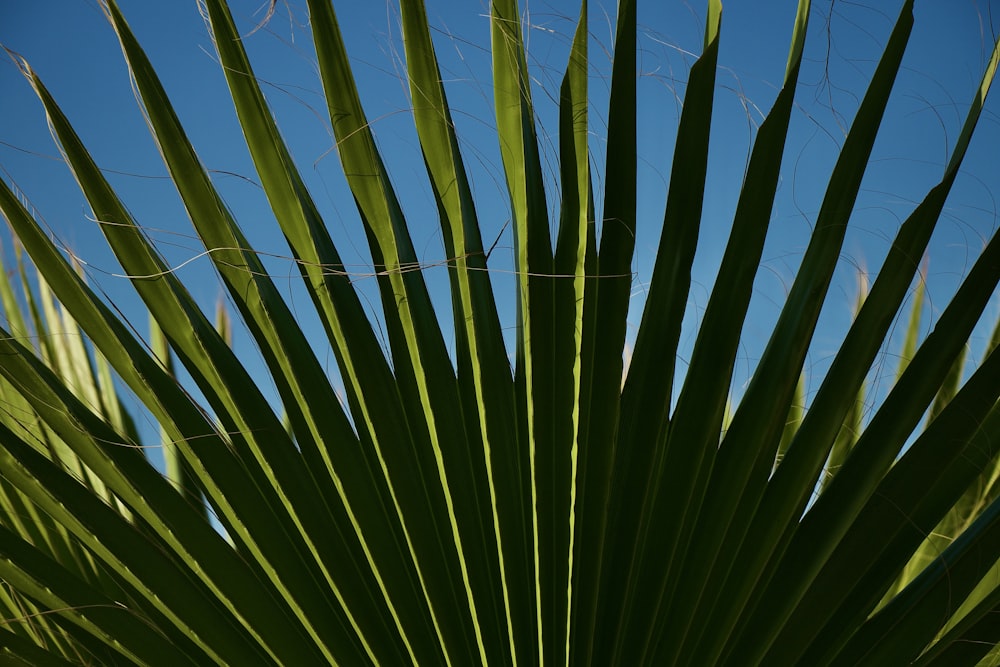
[{"x": 478, "y": 498}]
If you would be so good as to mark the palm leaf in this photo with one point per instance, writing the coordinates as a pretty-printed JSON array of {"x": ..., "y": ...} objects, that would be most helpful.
[{"x": 480, "y": 506}]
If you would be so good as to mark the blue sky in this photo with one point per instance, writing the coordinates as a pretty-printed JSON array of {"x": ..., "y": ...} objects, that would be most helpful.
[{"x": 75, "y": 52}]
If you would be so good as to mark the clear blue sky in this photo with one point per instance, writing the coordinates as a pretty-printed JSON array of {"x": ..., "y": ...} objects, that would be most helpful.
[{"x": 74, "y": 50}]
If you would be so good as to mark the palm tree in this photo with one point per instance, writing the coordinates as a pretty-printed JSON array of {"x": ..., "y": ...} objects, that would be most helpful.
[{"x": 457, "y": 508}]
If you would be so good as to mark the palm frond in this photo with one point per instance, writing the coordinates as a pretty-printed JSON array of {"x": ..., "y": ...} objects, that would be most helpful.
[{"x": 473, "y": 497}]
